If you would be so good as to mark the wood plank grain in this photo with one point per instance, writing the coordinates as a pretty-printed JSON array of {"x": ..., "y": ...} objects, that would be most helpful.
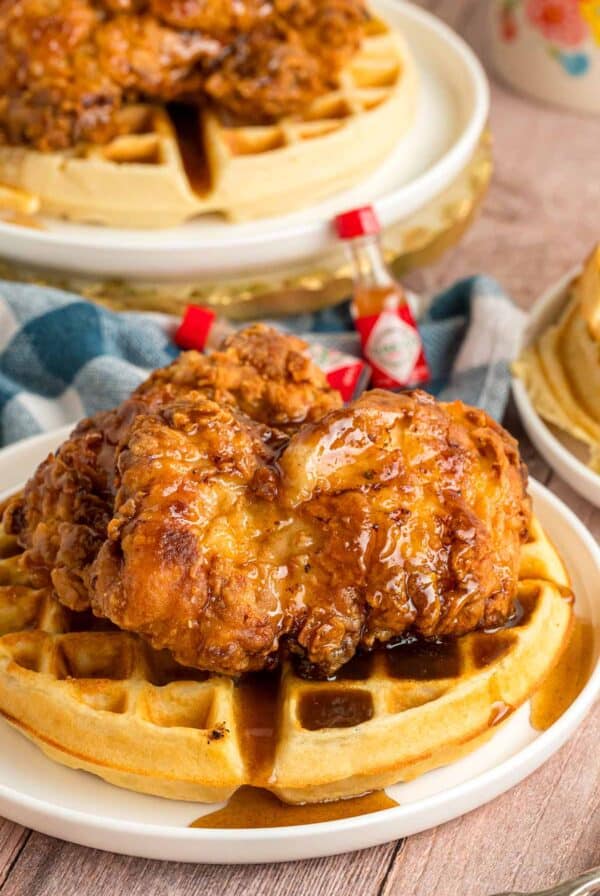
[
  {"x": 544, "y": 830},
  {"x": 50, "y": 867},
  {"x": 12, "y": 840}
]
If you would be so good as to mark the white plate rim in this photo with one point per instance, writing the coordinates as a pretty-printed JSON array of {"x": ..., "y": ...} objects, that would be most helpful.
[
  {"x": 390, "y": 208},
  {"x": 579, "y": 476},
  {"x": 489, "y": 783}
]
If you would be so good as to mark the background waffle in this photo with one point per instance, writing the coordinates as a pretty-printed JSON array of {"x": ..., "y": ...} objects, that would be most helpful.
[
  {"x": 96, "y": 698},
  {"x": 171, "y": 167}
]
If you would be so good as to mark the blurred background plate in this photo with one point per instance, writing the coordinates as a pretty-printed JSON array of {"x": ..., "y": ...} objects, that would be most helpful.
[
  {"x": 564, "y": 454},
  {"x": 425, "y": 193}
]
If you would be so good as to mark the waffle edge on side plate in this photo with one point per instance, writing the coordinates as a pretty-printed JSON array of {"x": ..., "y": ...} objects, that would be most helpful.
[
  {"x": 141, "y": 179},
  {"x": 101, "y": 700}
]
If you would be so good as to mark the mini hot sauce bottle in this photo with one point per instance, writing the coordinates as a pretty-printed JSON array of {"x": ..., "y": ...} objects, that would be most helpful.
[{"x": 382, "y": 316}]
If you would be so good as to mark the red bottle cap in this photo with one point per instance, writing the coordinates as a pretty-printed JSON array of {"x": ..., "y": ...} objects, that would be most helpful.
[
  {"x": 357, "y": 222},
  {"x": 194, "y": 328}
]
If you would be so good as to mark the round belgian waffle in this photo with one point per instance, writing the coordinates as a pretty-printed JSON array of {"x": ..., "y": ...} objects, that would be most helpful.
[{"x": 95, "y": 698}]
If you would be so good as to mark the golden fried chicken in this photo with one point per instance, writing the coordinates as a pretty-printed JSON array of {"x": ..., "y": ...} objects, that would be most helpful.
[
  {"x": 301, "y": 48},
  {"x": 332, "y": 30},
  {"x": 215, "y": 17},
  {"x": 68, "y": 67},
  {"x": 227, "y": 543},
  {"x": 421, "y": 507},
  {"x": 184, "y": 564},
  {"x": 232, "y": 509},
  {"x": 146, "y": 58},
  {"x": 295, "y": 76},
  {"x": 266, "y": 374},
  {"x": 53, "y": 92},
  {"x": 63, "y": 515}
]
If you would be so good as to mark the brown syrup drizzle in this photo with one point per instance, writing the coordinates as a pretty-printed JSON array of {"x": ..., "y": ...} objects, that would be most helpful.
[
  {"x": 251, "y": 807},
  {"x": 567, "y": 593},
  {"x": 488, "y": 648},
  {"x": 257, "y": 710},
  {"x": 190, "y": 140},
  {"x": 330, "y": 707},
  {"x": 334, "y": 708},
  {"x": 423, "y": 660},
  {"x": 359, "y": 668},
  {"x": 525, "y": 606},
  {"x": 568, "y": 678}
]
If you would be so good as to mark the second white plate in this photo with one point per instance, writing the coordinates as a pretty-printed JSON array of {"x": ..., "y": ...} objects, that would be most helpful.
[{"x": 561, "y": 452}]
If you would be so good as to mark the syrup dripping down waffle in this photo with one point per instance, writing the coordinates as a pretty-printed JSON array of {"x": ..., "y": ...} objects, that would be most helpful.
[{"x": 96, "y": 698}]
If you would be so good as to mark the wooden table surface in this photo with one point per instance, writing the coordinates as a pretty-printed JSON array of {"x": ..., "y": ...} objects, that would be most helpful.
[{"x": 541, "y": 216}]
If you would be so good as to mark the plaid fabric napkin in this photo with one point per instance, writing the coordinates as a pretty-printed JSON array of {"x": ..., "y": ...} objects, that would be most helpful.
[{"x": 62, "y": 358}]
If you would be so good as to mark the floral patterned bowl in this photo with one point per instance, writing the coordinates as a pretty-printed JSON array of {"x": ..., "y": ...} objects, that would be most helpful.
[{"x": 549, "y": 49}]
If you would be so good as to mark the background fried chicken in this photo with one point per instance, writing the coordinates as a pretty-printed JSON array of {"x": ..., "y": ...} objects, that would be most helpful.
[
  {"x": 231, "y": 508},
  {"x": 67, "y": 67}
]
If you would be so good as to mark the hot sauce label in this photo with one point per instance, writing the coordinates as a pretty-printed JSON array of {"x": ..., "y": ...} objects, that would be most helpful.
[
  {"x": 393, "y": 347},
  {"x": 347, "y": 374}
]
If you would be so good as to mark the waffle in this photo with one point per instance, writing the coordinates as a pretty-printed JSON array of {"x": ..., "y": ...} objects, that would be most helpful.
[
  {"x": 167, "y": 167},
  {"x": 95, "y": 698}
]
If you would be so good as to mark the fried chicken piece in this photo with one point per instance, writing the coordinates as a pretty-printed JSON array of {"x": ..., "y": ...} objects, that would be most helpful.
[
  {"x": 144, "y": 57},
  {"x": 68, "y": 68},
  {"x": 395, "y": 514},
  {"x": 423, "y": 508},
  {"x": 184, "y": 564},
  {"x": 231, "y": 509},
  {"x": 124, "y": 5},
  {"x": 63, "y": 514},
  {"x": 265, "y": 373},
  {"x": 52, "y": 91},
  {"x": 215, "y": 17},
  {"x": 62, "y": 517},
  {"x": 294, "y": 76},
  {"x": 66, "y": 72},
  {"x": 333, "y": 31},
  {"x": 301, "y": 51}
]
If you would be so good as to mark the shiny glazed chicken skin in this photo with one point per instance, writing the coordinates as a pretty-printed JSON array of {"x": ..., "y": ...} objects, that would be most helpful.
[
  {"x": 228, "y": 539},
  {"x": 63, "y": 516},
  {"x": 69, "y": 67},
  {"x": 393, "y": 514}
]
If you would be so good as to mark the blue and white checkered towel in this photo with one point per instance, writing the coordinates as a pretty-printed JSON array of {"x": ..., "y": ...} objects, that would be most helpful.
[{"x": 62, "y": 358}]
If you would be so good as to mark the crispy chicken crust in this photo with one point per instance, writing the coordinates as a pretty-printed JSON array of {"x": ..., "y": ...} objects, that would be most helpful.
[
  {"x": 63, "y": 515},
  {"x": 232, "y": 510}
]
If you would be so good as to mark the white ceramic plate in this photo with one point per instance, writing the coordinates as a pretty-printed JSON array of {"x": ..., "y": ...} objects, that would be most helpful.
[
  {"x": 453, "y": 110},
  {"x": 79, "y": 807},
  {"x": 564, "y": 454}
]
